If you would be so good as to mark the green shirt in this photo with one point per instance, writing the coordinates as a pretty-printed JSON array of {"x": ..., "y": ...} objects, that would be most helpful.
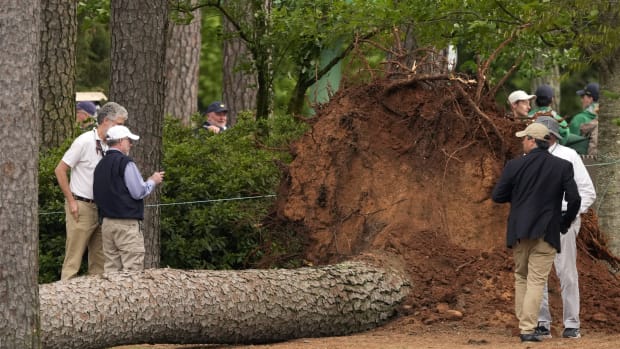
[
  {"x": 564, "y": 131},
  {"x": 587, "y": 115}
]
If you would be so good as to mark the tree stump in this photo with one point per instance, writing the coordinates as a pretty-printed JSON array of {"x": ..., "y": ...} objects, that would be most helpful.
[{"x": 225, "y": 307}]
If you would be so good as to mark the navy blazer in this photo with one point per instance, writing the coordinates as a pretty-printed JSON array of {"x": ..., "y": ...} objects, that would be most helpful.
[{"x": 534, "y": 184}]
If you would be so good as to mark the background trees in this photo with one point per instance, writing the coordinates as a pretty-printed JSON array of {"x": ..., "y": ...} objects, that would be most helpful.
[
  {"x": 19, "y": 140},
  {"x": 139, "y": 33},
  {"x": 57, "y": 60}
]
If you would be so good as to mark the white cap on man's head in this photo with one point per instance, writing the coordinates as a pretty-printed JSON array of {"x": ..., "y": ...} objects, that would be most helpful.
[
  {"x": 120, "y": 132},
  {"x": 520, "y": 95}
]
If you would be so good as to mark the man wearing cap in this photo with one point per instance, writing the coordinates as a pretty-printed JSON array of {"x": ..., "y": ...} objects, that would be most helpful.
[
  {"x": 566, "y": 262},
  {"x": 85, "y": 115},
  {"x": 119, "y": 191},
  {"x": 520, "y": 103},
  {"x": 216, "y": 114},
  {"x": 81, "y": 218},
  {"x": 535, "y": 184},
  {"x": 544, "y": 98},
  {"x": 586, "y": 123}
]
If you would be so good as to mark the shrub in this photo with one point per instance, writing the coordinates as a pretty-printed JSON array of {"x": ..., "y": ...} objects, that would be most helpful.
[{"x": 217, "y": 191}]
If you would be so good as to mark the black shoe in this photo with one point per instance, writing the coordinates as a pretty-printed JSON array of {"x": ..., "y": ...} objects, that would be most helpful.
[
  {"x": 571, "y": 333},
  {"x": 542, "y": 332},
  {"x": 530, "y": 337}
]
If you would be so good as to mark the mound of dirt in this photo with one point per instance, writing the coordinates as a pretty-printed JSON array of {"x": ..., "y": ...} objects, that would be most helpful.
[{"x": 409, "y": 168}]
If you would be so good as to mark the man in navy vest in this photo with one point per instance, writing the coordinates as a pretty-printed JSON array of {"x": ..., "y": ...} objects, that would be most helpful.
[{"x": 119, "y": 191}]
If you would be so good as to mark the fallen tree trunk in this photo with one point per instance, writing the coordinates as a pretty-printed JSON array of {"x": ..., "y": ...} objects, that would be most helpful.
[{"x": 227, "y": 307}]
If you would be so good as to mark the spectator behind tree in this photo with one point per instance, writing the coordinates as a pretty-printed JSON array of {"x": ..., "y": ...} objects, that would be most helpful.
[
  {"x": 85, "y": 115},
  {"x": 585, "y": 123},
  {"x": 544, "y": 98},
  {"x": 520, "y": 103},
  {"x": 217, "y": 116}
]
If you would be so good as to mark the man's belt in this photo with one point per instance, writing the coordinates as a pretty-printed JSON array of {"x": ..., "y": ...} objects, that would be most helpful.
[{"x": 90, "y": 201}]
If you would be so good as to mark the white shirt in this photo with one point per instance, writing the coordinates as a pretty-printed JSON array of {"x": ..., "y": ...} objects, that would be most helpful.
[
  {"x": 582, "y": 177},
  {"x": 82, "y": 157}
]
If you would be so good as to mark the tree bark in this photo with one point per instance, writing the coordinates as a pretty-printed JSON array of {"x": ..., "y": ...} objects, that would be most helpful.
[
  {"x": 138, "y": 83},
  {"x": 57, "y": 76},
  {"x": 263, "y": 58},
  {"x": 607, "y": 177},
  {"x": 182, "y": 63},
  {"x": 202, "y": 307},
  {"x": 19, "y": 141},
  {"x": 239, "y": 79}
]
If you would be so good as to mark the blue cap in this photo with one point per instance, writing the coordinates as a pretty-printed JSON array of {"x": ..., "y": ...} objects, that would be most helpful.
[
  {"x": 216, "y": 107},
  {"x": 591, "y": 90},
  {"x": 89, "y": 107}
]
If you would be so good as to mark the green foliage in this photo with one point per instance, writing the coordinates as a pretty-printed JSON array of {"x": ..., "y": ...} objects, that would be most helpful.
[
  {"x": 51, "y": 216},
  {"x": 218, "y": 189},
  {"x": 211, "y": 73},
  {"x": 93, "y": 46}
]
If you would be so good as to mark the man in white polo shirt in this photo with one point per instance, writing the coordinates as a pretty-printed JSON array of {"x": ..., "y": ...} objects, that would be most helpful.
[{"x": 82, "y": 220}]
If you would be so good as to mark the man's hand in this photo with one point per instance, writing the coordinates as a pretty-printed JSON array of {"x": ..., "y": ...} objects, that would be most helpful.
[
  {"x": 73, "y": 207},
  {"x": 157, "y": 177},
  {"x": 564, "y": 225},
  {"x": 213, "y": 129}
]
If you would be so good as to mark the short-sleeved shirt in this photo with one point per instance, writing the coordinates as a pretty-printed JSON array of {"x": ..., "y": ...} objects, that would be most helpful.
[{"x": 82, "y": 157}]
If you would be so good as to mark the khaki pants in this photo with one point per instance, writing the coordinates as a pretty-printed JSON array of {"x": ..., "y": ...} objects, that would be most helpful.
[
  {"x": 81, "y": 235},
  {"x": 533, "y": 261},
  {"x": 123, "y": 244},
  {"x": 566, "y": 268}
]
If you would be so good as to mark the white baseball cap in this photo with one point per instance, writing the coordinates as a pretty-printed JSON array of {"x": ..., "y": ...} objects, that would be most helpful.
[
  {"x": 120, "y": 132},
  {"x": 520, "y": 95}
]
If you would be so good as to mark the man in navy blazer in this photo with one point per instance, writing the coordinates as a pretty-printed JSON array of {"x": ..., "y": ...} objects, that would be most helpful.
[{"x": 535, "y": 184}]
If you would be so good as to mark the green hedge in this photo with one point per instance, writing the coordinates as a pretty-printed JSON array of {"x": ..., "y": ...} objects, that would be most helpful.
[{"x": 217, "y": 192}]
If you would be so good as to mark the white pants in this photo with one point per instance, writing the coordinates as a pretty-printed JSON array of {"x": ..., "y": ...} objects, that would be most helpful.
[{"x": 566, "y": 268}]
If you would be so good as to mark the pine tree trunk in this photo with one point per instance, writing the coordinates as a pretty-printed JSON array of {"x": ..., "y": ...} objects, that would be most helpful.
[
  {"x": 138, "y": 83},
  {"x": 264, "y": 59},
  {"x": 19, "y": 156},
  {"x": 182, "y": 63},
  {"x": 239, "y": 81},
  {"x": 607, "y": 178},
  {"x": 204, "y": 307},
  {"x": 57, "y": 76}
]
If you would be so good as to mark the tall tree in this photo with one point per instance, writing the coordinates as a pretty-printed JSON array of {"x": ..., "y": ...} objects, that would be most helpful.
[
  {"x": 607, "y": 178},
  {"x": 19, "y": 141},
  {"x": 57, "y": 78},
  {"x": 182, "y": 63},
  {"x": 239, "y": 82},
  {"x": 139, "y": 32}
]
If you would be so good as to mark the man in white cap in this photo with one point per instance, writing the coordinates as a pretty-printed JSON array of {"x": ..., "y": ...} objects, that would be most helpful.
[
  {"x": 520, "y": 103},
  {"x": 535, "y": 184},
  {"x": 119, "y": 191},
  {"x": 566, "y": 262}
]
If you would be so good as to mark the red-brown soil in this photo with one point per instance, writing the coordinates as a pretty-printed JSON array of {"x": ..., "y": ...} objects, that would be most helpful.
[{"x": 409, "y": 168}]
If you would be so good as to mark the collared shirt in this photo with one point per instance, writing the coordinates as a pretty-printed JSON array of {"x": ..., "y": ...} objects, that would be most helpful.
[
  {"x": 82, "y": 157},
  {"x": 582, "y": 177},
  {"x": 138, "y": 188}
]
